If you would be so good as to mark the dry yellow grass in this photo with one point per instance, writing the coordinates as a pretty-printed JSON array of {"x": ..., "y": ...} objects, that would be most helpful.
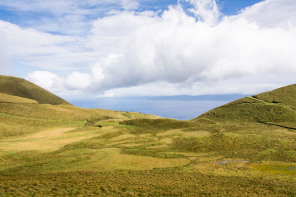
[
  {"x": 6, "y": 98},
  {"x": 118, "y": 143},
  {"x": 166, "y": 140},
  {"x": 123, "y": 137},
  {"x": 110, "y": 159},
  {"x": 188, "y": 154},
  {"x": 207, "y": 158},
  {"x": 59, "y": 112},
  {"x": 49, "y": 140},
  {"x": 179, "y": 132},
  {"x": 145, "y": 135},
  {"x": 158, "y": 146},
  {"x": 131, "y": 145}
]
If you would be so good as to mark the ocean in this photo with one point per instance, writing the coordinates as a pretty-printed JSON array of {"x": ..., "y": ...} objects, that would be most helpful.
[{"x": 177, "y": 107}]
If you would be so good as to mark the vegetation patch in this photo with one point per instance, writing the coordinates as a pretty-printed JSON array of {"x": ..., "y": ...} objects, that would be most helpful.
[
  {"x": 179, "y": 132},
  {"x": 112, "y": 159},
  {"x": 273, "y": 107},
  {"x": 109, "y": 135},
  {"x": 94, "y": 121},
  {"x": 256, "y": 112},
  {"x": 48, "y": 140},
  {"x": 141, "y": 183},
  {"x": 156, "y": 125},
  {"x": 248, "y": 147},
  {"x": 91, "y": 144},
  {"x": 276, "y": 168},
  {"x": 157, "y": 153}
]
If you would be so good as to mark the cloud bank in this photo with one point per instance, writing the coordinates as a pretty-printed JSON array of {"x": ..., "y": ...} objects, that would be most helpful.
[{"x": 195, "y": 51}]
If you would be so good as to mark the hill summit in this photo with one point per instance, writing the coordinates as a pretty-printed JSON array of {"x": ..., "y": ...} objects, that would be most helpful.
[
  {"x": 276, "y": 106},
  {"x": 18, "y": 90}
]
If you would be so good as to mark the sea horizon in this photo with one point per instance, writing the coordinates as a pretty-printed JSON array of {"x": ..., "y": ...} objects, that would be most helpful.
[{"x": 179, "y": 107}]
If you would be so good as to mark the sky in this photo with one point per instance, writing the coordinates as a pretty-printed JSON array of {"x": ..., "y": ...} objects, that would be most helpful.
[{"x": 110, "y": 48}]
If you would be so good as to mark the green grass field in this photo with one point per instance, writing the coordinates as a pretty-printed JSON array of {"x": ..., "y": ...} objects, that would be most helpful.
[
  {"x": 204, "y": 159},
  {"x": 63, "y": 150}
]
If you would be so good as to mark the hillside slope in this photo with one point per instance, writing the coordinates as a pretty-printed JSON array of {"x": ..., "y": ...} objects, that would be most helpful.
[
  {"x": 276, "y": 106},
  {"x": 63, "y": 150},
  {"x": 6, "y": 98},
  {"x": 27, "y": 108},
  {"x": 285, "y": 95},
  {"x": 22, "y": 88}
]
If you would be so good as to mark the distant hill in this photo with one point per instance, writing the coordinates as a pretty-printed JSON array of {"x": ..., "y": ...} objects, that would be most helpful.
[
  {"x": 21, "y": 88},
  {"x": 276, "y": 106}
]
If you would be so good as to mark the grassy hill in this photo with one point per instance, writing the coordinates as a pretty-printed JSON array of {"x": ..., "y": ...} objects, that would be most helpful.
[
  {"x": 22, "y": 88},
  {"x": 277, "y": 106},
  {"x": 63, "y": 150},
  {"x": 6, "y": 98},
  {"x": 285, "y": 95}
]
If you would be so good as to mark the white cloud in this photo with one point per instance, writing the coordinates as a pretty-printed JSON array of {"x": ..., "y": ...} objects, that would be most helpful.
[
  {"x": 205, "y": 10},
  {"x": 5, "y": 65},
  {"x": 43, "y": 50},
  {"x": 177, "y": 49},
  {"x": 66, "y": 17},
  {"x": 272, "y": 14},
  {"x": 77, "y": 80},
  {"x": 130, "y": 4},
  {"x": 228, "y": 86},
  {"x": 47, "y": 80},
  {"x": 130, "y": 53}
]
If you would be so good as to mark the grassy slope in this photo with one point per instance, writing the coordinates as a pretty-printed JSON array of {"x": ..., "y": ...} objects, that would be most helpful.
[
  {"x": 285, "y": 95},
  {"x": 277, "y": 106},
  {"x": 17, "y": 119},
  {"x": 142, "y": 183},
  {"x": 65, "y": 150},
  {"x": 191, "y": 158},
  {"x": 6, "y": 98},
  {"x": 23, "y": 88}
]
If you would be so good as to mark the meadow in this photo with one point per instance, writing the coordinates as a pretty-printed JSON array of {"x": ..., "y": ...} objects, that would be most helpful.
[
  {"x": 239, "y": 149},
  {"x": 98, "y": 152}
]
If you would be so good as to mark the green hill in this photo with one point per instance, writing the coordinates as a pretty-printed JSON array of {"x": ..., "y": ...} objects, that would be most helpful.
[
  {"x": 22, "y": 88},
  {"x": 285, "y": 95},
  {"x": 27, "y": 108},
  {"x": 276, "y": 106}
]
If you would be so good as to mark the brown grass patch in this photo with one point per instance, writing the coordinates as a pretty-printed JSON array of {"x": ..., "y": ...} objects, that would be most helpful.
[
  {"x": 180, "y": 132},
  {"x": 131, "y": 145},
  {"x": 159, "y": 146},
  {"x": 49, "y": 140},
  {"x": 123, "y": 137},
  {"x": 110, "y": 159},
  {"x": 6, "y": 98}
]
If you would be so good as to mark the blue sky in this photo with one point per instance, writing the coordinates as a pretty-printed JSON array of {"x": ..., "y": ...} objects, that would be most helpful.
[
  {"x": 231, "y": 7},
  {"x": 24, "y": 16},
  {"x": 149, "y": 48}
]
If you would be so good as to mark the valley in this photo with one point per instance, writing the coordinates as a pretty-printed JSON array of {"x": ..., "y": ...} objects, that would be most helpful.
[{"x": 63, "y": 150}]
